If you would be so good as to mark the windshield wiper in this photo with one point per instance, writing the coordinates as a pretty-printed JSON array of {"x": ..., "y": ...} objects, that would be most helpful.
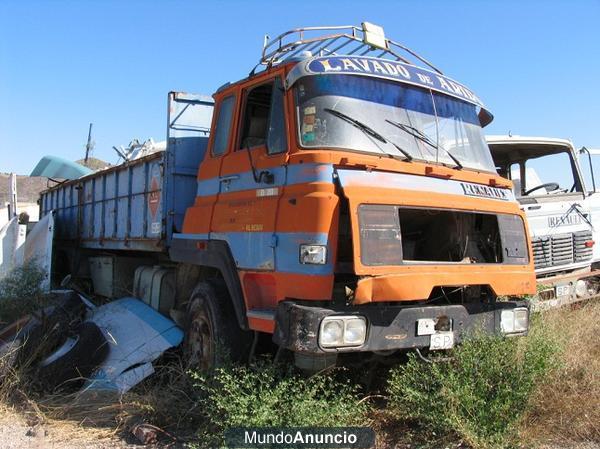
[
  {"x": 369, "y": 131},
  {"x": 415, "y": 132}
]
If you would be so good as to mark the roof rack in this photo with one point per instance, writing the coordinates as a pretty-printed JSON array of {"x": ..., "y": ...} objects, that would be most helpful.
[{"x": 366, "y": 40}]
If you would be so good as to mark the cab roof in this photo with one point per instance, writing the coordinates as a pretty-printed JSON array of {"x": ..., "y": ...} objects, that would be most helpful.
[
  {"x": 516, "y": 139},
  {"x": 508, "y": 149},
  {"x": 363, "y": 50},
  {"x": 367, "y": 40}
]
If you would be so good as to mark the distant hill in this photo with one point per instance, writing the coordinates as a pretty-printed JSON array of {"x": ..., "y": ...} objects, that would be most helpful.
[{"x": 28, "y": 188}]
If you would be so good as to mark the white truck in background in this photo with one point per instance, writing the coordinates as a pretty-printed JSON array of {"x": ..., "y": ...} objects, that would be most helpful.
[{"x": 563, "y": 216}]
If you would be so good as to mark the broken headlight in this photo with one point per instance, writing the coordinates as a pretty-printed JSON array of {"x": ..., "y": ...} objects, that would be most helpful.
[
  {"x": 514, "y": 321},
  {"x": 380, "y": 239}
]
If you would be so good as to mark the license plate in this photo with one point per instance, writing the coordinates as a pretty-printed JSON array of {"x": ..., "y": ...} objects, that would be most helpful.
[
  {"x": 563, "y": 290},
  {"x": 441, "y": 340}
]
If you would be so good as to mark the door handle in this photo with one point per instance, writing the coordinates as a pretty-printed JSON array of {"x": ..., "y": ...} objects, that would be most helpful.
[{"x": 228, "y": 179}]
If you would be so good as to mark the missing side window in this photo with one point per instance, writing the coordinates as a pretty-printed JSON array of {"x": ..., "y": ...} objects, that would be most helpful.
[{"x": 264, "y": 118}]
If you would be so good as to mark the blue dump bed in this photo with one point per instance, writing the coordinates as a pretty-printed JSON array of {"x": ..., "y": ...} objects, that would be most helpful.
[{"x": 137, "y": 205}]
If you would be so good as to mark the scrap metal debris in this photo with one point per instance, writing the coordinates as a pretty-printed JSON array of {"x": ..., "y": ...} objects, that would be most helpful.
[
  {"x": 145, "y": 433},
  {"x": 58, "y": 168},
  {"x": 137, "y": 335}
]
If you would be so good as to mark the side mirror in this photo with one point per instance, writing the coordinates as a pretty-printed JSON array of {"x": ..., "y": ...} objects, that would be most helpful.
[{"x": 589, "y": 153}]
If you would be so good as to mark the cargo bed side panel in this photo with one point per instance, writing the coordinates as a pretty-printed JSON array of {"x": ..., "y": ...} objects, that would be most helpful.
[{"x": 118, "y": 208}]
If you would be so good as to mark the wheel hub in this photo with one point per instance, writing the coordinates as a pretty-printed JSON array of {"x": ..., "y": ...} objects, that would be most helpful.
[{"x": 200, "y": 342}]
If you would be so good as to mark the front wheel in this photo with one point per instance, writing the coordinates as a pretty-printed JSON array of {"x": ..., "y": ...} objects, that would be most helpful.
[{"x": 213, "y": 335}]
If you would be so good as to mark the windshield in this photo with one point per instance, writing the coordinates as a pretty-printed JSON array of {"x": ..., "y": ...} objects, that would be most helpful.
[
  {"x": 372, "y": 115},
  {"x": 544, "y": 175}
]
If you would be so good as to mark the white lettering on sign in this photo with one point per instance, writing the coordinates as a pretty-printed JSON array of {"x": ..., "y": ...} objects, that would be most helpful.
[
  {"x": 484, "y": 191},
  {"x": 425, "y": 79},
  {"x": 395, "y": 70},
  {"x": 366, "y": 66},
  {"x": 457, "y": 89}
]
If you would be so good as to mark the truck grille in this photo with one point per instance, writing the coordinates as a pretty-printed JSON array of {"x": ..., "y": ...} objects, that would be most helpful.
[{"x": 561, "y": 249}]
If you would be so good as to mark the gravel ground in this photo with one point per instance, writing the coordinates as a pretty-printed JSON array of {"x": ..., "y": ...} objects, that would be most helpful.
[
  {"x": 16, "y": 433},
  {"x": 571, "y": 446}
]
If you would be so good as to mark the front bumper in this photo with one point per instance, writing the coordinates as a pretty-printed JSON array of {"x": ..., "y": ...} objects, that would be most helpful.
[{"x": 390, "y": 327}]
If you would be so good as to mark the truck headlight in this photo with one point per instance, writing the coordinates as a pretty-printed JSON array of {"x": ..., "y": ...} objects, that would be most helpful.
[
  {"x": 332, "y": 332},
  {"x": 514, "y": 321},
  {"x": 380, "y": 239},
  {"x": 342, "y": 331},
  {"x": 313, "y": 254}
]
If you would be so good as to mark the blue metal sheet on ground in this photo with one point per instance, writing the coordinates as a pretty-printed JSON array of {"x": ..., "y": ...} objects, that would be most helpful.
[{"x": 136, "y": 335}]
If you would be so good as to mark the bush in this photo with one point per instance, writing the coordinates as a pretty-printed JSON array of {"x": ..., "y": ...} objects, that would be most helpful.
[
  {"x": 480, "y": 394},
  {"x": 20, "y": 292},
  {"x": 268, "y": 395}
]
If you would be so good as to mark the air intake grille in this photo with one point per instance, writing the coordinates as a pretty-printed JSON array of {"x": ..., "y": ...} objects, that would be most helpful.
[
  {"x": 561, "y": 249},
  {"x": 582, "y": 252}
]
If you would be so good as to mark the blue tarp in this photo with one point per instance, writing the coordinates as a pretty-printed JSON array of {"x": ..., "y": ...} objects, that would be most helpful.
[{"x": 57, "y": 167}]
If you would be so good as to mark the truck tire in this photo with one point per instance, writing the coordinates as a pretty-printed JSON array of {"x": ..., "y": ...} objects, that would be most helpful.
[
  {"x": 49, "y": 328},
  {"x": 13, "y": 338},
  {"x": 76, "y": 359},
  {"x": 213, "y": 336}
]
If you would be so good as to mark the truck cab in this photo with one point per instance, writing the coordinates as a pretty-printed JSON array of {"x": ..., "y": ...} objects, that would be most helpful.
[
  {"x": 549, "y": 186},
  {"x": 342, "y": 200},
  {"x": 356, "y": 203}
]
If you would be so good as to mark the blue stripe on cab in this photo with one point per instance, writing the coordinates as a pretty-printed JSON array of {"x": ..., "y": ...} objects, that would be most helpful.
[
  {"x": 270, "y": 251},
  {"x": 287, "y": 255},
  {"x": 296, "y": 174}
]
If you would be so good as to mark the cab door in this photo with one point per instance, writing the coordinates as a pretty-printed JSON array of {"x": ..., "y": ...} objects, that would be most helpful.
[
  {"x": 252, "y": 177},
  {"x": 198, "y": 217}
]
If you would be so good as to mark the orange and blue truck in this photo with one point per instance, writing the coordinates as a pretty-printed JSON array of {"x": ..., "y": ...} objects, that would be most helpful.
[{"x": 340, "y": 199}]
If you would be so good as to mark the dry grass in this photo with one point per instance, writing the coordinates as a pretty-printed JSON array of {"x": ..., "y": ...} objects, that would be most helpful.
[
  {"x": 88, "y": 415},
  {"x": 566, "y": 409},
  {"x": 164, "y": 400},
  {"x": 19, "y": 430}
]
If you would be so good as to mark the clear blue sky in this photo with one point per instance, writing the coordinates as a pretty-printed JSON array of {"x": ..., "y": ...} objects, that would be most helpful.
[{"x": 64, "y": 64}]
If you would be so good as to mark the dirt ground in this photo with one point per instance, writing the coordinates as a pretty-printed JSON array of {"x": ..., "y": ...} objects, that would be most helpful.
[
  {"x": 562, "y": 411},
  {"x": 17, "y": 433}
]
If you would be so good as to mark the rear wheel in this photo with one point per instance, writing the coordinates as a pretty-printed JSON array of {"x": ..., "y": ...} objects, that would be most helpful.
[
  {"x": 71, "y": 363},
  {"x": 213, "y": 335}
]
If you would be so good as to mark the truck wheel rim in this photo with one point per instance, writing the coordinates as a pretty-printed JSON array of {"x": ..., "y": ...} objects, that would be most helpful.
[{"x": 200, "y": 341}]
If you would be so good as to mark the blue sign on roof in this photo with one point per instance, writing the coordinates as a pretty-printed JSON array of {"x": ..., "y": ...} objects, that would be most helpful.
[{"x": 382, "y": 68}]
